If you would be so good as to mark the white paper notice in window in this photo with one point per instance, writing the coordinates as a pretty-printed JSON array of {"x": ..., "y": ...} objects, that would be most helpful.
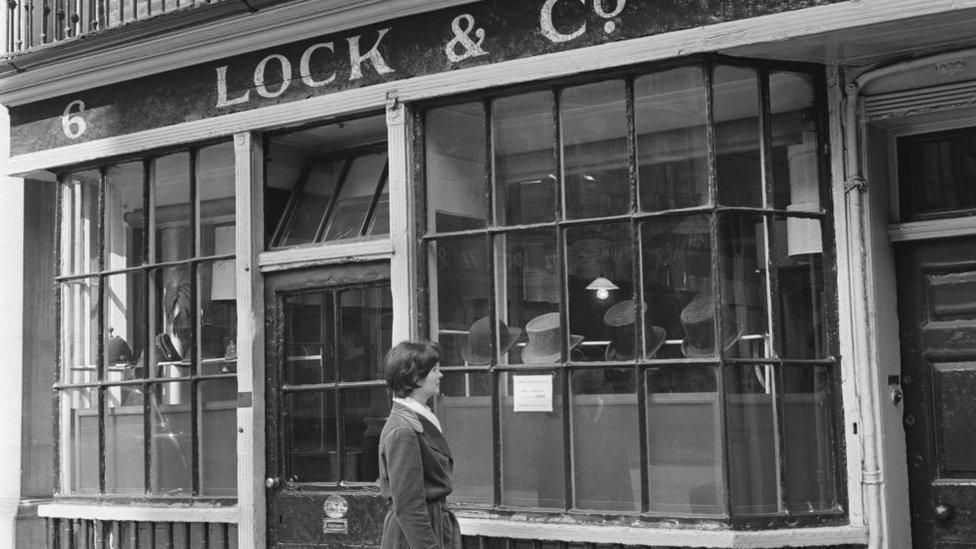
[{"x": 532, "y": 393}]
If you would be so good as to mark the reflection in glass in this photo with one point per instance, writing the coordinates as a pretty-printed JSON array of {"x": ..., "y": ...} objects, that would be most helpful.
[
  {"x": 801, "y": 331},
  {"x": 365, "y": 332},
  {"x": 671, "y": 139},
  {"x": 173, "y": 337},
  {"x": 523, "y": 139},
  {"x": 215, "y": 195},
  {"x": 217, "y": 428},
  {"x": 217, "y": 303},
  {"x": 171, "y": 207},
  {"x": 79, "y": 444},
  {"x": 364, "y": 412},
  {"x": 753, "y": 456},
  {"x": 531, "y": 286},
  {"x": 684, "y": 441},
  {"x": 380, "y": 223},
  {"x": 593, "y": 252},
  {"x": 738, "y": 152},
  {"x": 795, "y": 171},
  {"x": 169, "y": 429},
  {"x": 594, "y": 138},
  {"x": 309, "y": 327},
  {"x": 677, "y": 286},
  {"x": 349, "y": 215},
  {"x": 79, "y": 222},
  {"x": 125, "y": 331},
  {"x": 532, "y": 449},
  {"x": 456, "y": 166},
  {"x": 745, "y": 323},
  {"x": 809, "y": 431},
  {"x": 79, "y": 329},
  {"x": 464, "y": 410},
  {"x": 124, "y": 223},
  {"x": 124, "y": 442},
  {"x": 936, "y": 173},
  {"x": 602, "y": 420},
  {"x": 310, "y": 437},
  {"x": 458, "y": 292},
  {"x": 318, "y": 185}
]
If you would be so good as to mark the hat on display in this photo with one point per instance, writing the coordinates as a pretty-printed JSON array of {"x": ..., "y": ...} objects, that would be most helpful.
[
  {"x": 698, "y": 321},
  {"x": 545, "y": 337},
  {"x": 477, "y": 348},
  {"x": 621, "y": 316}
]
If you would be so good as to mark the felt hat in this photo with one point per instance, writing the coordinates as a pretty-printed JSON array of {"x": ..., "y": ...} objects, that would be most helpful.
[
  {"x": 621, "y": 316},
  {"x": 545, "y": 339},
  {"x": 698, "y": 321},
  {"x": 477, "y": 349}
]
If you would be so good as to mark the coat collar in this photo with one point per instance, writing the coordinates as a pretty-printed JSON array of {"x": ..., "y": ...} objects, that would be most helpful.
[{"x": 422, "y": 425}]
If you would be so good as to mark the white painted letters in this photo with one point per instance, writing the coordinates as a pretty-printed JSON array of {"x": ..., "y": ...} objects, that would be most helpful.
[
  {"x": 462, "y": 39},
  {"x": 285, "y": 76},
  {"x": 222, "y": 100},
  {"x": 550, "y": 32},
  {"x": 74, "y": 125},
  {"x": 356, "y": 60},
  {"x": 304, "y": 67}
]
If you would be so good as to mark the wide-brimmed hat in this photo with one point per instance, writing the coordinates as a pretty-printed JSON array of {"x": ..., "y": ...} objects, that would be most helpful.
[
  {"x": 621, "y": 316},
  {"x": 477, "y": 349},
  {"x": 545, "y": 337},
  {"x": 698, "y": 321}
]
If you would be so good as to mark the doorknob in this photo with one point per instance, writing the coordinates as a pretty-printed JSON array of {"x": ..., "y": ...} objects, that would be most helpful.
[
  {"x": 943, "y": 512},
  {"x": 272, "y": 483}
]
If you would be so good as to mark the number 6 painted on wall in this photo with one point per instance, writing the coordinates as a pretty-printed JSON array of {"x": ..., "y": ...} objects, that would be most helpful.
[{"x": 74, "y": 125}]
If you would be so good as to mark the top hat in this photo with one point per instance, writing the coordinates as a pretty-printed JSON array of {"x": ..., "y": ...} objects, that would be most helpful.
[
  {"x": 698, "y": 321},
  {"x": 621, "y": 316},
  {"x": 545, "y": 340},
  {"x": 477, "y": 349}
]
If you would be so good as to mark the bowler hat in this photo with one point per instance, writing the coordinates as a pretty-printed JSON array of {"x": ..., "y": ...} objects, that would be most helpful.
[
  {"x": 545, "y": 339},
  {"x": 476, "y": 349}
]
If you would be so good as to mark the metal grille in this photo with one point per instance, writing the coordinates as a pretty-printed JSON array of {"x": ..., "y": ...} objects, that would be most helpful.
[
  {"x": 66, "y": 533},
  {"x": 482, "y": 542}
]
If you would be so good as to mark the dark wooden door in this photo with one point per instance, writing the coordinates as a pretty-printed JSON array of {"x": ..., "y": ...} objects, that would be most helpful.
[
  {"x": 937, "y": 313},
  {"x": 328, "y": 331}
]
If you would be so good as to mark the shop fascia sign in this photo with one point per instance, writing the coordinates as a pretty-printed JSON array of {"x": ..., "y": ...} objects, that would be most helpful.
[{"x": 471, "y": 35}]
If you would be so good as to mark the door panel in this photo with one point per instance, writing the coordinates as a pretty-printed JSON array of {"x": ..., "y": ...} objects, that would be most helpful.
[
  {"x": 328, "y": 332},
  {"x": 937, "y": 313}
]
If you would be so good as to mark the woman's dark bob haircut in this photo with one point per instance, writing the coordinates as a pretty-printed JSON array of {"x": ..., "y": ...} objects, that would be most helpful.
[{"x": 407, "y": 363}]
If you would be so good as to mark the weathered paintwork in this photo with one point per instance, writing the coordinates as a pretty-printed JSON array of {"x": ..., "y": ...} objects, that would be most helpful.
[
  {"x": 474, "y": 34},
  {"x": 300, "y": 520}
]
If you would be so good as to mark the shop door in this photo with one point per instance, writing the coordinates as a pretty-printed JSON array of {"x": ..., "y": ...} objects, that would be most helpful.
[
  {"x": 937, "y": 312},
  {"x": 328, "y": 331}
]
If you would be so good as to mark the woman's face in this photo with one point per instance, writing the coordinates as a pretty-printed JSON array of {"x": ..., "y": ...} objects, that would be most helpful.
[{"x": 429, "y": 386}]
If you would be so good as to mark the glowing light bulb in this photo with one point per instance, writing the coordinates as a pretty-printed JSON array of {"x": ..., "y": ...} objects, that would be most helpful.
[{"x": 602, "y": 294}]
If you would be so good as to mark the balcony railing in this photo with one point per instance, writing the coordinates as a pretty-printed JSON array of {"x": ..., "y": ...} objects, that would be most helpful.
[{"x": 31, "y": 24}]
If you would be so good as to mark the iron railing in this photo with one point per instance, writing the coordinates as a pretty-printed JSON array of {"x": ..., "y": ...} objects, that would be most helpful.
[
  {"x": 31, "y": 24},
  {"x": 65, "y": 533}
]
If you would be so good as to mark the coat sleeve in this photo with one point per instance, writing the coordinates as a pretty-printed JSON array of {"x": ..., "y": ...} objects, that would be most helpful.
[{"x": 407, "y": 489}]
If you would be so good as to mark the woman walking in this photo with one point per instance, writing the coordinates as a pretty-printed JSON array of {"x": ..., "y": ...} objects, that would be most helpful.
[{"x": 415, "y": 460}]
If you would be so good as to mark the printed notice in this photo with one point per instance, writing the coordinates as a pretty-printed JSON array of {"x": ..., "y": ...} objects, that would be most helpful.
[{"x": 532, "y": 393}]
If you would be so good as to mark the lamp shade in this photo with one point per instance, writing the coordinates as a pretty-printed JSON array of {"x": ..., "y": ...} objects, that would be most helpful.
[{"x": 602, "y": 283}]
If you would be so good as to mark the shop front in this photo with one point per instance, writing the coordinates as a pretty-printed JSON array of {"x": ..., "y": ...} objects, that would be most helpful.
[{"x": 697, "y": 280}]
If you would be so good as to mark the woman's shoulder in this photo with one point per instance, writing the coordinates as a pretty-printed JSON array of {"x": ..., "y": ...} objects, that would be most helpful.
[{"x": 402, "y": 420}]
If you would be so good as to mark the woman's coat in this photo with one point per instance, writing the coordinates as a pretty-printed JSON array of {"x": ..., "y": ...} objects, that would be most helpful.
[{"x": 415, "y": 476}]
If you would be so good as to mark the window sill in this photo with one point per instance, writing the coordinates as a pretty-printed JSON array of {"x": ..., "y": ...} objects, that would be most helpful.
[
  {"x": 162, "y": 512},
  {"x": 673, "y": 537}
]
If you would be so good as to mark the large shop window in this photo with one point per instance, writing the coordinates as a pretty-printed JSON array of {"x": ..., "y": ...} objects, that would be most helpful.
[
  {"x": 627, "y": 278},
  {"x": 147, "y": 330}
]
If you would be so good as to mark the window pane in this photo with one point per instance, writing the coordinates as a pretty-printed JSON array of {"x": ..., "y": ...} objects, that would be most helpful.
[
  {"x": 124, "y": 220},
  {"x": 79, "y": 222},
  {"x": 680, "y": 318},
  {"x": 310, "y": 437},
  {"x": 456, "y": 167},
  {"x": 796, "y": 172},
  {"x": 125, "y": 328},
  {"x": 215, "y": 194},
  {"x": 217, "y": 302},
  {"x": 309, "y": 332},
  {"x": 523, "y": 131},
  {"x": 458, "y": 292},
  {"x": 125, "y": 463},
  {"x": 801, "y": 331},
  {"x": 217, "y": 429},
  {"x": 532, "y": 449},
  {"x": 684, "y": 442},
  {"x": 79, "y": 329},
  {"x": 79, "y": 440},
  {"x": 366, "y": 332},
  {"x": 171, "y": 208},
  {"x": 810, "y": 438},
  {"x": 937, "y": 173},
  {"x": 605, "y": 418},
  {"x": 753, "y": 456},
  {"x": 170, "y": 451},
  {"x": 464, "y": 410},
  {"x": 173, "y": 339},
  {"x": 738, "y": 162},
  {"x": 671, "y": 139},
  {"x": 595, "y": 159},
  {"x": 380, "y": 223},
  {"x": 358, "y": 188},
  {"x": 318, "y": 183},
  {"x": 364, "y": 412},
  {"x": 599, "y": 275},
  {"x": 531, "y": 288},
  {"x": 745, "y": 322}
]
